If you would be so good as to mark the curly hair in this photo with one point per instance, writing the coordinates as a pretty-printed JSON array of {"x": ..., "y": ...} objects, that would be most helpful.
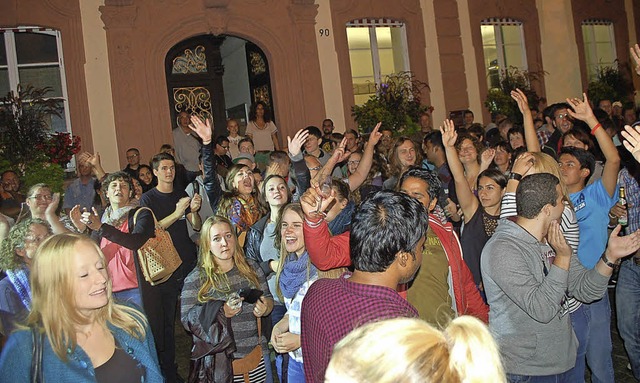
[{"x": 9, "y": 259}]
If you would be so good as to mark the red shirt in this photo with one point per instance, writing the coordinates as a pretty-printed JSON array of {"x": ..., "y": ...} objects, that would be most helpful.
[{"x": 334, "y": 307}]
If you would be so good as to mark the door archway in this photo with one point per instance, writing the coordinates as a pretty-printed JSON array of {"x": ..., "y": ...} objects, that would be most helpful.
[{"x": 217, "y": 77}]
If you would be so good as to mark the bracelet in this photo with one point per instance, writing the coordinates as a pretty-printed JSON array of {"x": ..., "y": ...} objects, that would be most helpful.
[
  {"x": 313, "y": 225},
  {"x": 515, "y": 176},
  {"x": 612, "y": 216},
  {"x": 607, "y": 262},
  {"x": 598, "y": 126}
]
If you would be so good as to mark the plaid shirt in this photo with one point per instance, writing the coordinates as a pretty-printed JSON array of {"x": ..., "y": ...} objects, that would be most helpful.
[{"x": 334, "y": 307}]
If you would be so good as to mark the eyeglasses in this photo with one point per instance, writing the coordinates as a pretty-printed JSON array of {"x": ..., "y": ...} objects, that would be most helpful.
[
  {"x": 132, "y": 156},
  {"x": 35, "y": 239},
  {"x": 354, "y": 162},
  {"x": 225, "y": 147},
  {"x": 563, "y": 116},
  {"x": 45, "y": 197}
]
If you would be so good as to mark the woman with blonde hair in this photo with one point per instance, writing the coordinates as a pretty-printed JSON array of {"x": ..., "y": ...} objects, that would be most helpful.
[
  {"x": 463, "y": 352},
  {"x": 83, "y": 334},
  {"x": 221, "y": 275}
]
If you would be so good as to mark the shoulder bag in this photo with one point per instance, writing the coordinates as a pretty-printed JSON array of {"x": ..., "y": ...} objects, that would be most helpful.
[
  {"x": 36, "y": 358},
  {"x": 247, "y": 364},
  {"x": 158, "y": 257}
]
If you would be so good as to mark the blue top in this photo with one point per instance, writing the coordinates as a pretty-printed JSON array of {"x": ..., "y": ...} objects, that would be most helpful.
[
  {"x": 592, "y": 205},
  {"x": 15, "y": 360},
  {"x": 78, "y": 193}
]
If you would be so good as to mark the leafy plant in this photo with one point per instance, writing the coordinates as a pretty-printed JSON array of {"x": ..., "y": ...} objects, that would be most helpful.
[
  {"x": 610, "y": 83},
  {"x": 499, "y": 99},
  {"x": 396, "y": 104}
]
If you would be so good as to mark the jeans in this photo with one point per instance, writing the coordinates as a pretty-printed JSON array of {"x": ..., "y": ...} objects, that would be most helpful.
[
  {"x": 599, "y": 346},
  {"x": 565, "y": 377},
  {"x": 628, "y": 310},
  {"x": 130, "y": 295},
  {"x": 580, "y": 322},
  {"x": 266, "y": 355},
  {"x": 295, "y": 370}
]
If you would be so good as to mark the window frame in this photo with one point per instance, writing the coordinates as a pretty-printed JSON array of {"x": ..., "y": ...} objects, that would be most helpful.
[
  {"x": 13, "y": 68},
  {"x": 593, "y": 51},
  {"x": 371, "y": 25},
  {"x": 500, "y": 45}
]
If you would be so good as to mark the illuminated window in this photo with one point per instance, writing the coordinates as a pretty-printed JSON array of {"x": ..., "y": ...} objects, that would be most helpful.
[
  {"x": 599, "y": 45},
  {"x": 503, "y": 47},
  {"x": 377, "y": 48},
  {"x": 33, "y": 56}
]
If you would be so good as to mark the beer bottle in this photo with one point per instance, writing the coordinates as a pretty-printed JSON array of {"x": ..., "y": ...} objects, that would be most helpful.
[{"x": 622, "y": 200}]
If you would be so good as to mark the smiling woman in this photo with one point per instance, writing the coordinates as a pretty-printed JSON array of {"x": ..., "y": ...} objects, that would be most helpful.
[{"x": 74, "y": 319}]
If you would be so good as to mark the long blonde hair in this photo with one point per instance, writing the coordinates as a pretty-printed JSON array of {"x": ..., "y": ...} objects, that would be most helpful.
[
  {"x": 463, "y": 352},
  {"x": 280, "y": 244},
  {"x": 213, "y": 278},
  {"x": 53, "y": 296}
]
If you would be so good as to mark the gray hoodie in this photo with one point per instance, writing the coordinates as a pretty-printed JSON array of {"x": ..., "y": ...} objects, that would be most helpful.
[{"x": 526, "y": 317}]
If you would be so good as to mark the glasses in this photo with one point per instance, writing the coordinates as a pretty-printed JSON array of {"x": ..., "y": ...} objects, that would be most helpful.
[
  {"x": 563, "y": 116},
  {"x": 44, "y": 197},
  {"x": 132, "y": 156},
  {"x": 225, "y": 147},
  {"x": 35, "y": 239},
  {"x": 354, "y": 162}
]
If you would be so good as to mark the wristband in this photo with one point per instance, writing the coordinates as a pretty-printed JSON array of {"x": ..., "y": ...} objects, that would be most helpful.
[
  {"x": 607, "y": 262},
  {"x": 313, "y": 225},
  {"x": 515, "y": 176},
  {"x": 598, "y": 126}
]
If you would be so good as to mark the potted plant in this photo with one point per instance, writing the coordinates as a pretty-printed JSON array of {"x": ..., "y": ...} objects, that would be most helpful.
[
  {"x": 27, "y": 143},
  {"x": 610, "y": 83},
  {"x": 499, "y": 99},
  {"x": 396, "y": 103}
]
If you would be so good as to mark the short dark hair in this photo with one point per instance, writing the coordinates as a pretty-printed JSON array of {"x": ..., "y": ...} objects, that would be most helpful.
[
  {"x": 435, "y": 137},
  {"x": 220, "y": 139},
  {"x": 383, "y": 226},
  {"x": 431, "y": 178},
  {"x": 327, "y": 119},
  {"x": 516, "y": 129},
  {"x": 535, "y": 191},
  {"x": 278, "y": 155},
  {"x": 352, "y": 132},
  {"x": 580, "y": 135},
  {"x": 314, "y": 131},
  {"x": 155, "y": 161},
  {"x": 468, "y": 111},
  {"x": 557, "y": 106},
  {"x": 584, "y": 157},
  {"x": 341, "y": 188},
  {"x": 120, "y": 175}
]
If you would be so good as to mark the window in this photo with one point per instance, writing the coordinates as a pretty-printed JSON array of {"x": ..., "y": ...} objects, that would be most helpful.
[
  {"x": 599, "y": 45},
  {"x": 33, "y": 56},
  {"x": 376, "y": 48},
  {"x": 503, "y": 47}
]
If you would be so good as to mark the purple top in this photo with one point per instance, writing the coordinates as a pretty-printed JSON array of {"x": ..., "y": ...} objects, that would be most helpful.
[{"x": 334, "y": 307}]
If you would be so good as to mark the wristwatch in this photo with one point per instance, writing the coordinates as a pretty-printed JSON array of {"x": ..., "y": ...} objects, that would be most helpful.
[
  {"x": 515, "y": 176},
  {"x": 607, "y": 262}
]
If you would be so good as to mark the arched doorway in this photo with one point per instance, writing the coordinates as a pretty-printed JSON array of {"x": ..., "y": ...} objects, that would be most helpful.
[{"x": 217, "y": 77}]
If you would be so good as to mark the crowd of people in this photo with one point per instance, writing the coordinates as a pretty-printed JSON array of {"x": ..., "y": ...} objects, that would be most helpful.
[{"x": 466, "y": 253}]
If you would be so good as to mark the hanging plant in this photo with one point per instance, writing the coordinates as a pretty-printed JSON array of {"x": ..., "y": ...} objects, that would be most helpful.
[
  {"x": 499, "y": 99},
  {"x": 610, "y": 83}
]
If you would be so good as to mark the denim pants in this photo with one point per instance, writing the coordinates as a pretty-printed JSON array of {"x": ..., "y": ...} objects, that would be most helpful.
[
  {"x": 130, "y": 295},
  {"x": 295, "y": 370},
  {"x": 599, "y": 346},
  {"x": 628, "y": 311},
  {"x": 565, "y": 377},
  {"x": 580, "y": 322}
]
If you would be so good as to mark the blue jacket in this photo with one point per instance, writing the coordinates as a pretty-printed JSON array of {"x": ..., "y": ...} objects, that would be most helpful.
[{"x": 15, "y": 360}]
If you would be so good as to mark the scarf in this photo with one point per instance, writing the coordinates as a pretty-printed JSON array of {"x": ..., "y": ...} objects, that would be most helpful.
[
  {"x": 19, "y": 278},
  {"x": 115, "y": 217},
  {"x": 294, "y": 274}
]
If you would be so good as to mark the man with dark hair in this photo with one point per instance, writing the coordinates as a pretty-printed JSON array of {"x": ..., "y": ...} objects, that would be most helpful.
[
  {"x": 221, "y": 153},
  {"x": 592, "y": 204},
  {"x": 172, "y": 208},
  {"x": 327, "y": 130},
  {"x": 352, "y": 140},
  {"x": 434, "y": 151},
  {"x": 467, "y": 118},
  {"x": 387, "y": 236},
  {"x": 133, "y": 162},
  {"x": 443, "y": 289},
  {"x": 312, "y": 145},
  {"x": 525, "y": 283}
]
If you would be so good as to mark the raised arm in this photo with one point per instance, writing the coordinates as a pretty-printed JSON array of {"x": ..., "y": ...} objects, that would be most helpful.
[
  {"x": 300, "y": 168},
  {"x": 530, "y": 136},
  {"x": 467, "y": 200},
  {"x": 210, "y": 179},
  {"x": 632, "y": 140},
  {"x": 339, "y": 154},
  {"x": 582, "y": 111},
  {"x": 360, "y": 175}
]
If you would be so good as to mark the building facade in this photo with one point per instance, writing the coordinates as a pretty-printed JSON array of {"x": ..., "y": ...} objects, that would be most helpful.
[{"x": 123, "y": 69}]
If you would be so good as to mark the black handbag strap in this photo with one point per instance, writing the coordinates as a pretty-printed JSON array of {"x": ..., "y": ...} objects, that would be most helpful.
[{"x": 36, "y": 360}]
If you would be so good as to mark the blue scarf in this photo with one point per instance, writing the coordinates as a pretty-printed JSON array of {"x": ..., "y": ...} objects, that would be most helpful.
[
  {"x": 294, "y": 274},
  {"x": 342, "y": 221},
  {"x": 19, "y": 278}
]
